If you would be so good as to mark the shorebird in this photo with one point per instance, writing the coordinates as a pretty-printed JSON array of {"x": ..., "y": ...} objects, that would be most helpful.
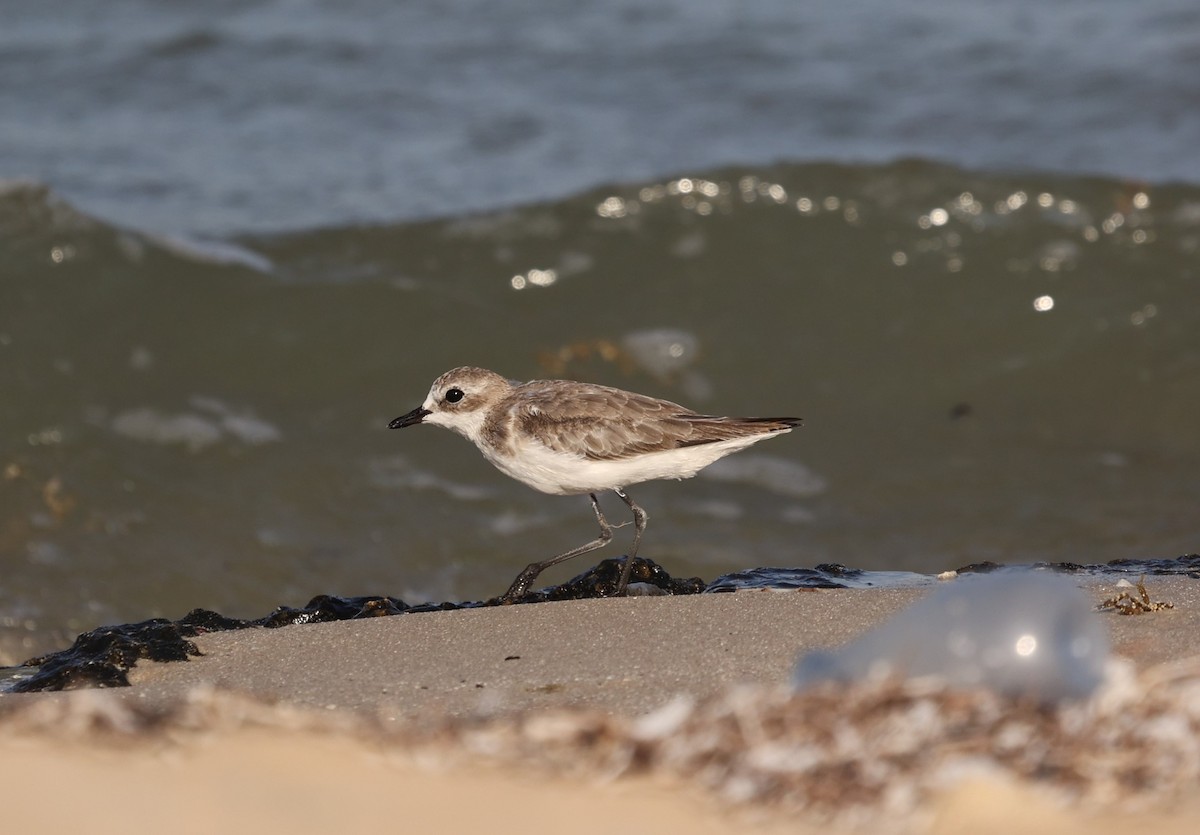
[{"x": 567, "y": 438}]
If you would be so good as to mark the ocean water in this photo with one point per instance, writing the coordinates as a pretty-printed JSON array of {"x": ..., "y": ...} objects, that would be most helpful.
[
  {"x": 235, "y": 241},
  {"x": 253, "y": 115}
]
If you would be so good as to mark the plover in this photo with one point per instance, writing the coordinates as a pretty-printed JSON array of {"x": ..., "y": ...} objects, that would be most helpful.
[{"x": 567, "y": 438}]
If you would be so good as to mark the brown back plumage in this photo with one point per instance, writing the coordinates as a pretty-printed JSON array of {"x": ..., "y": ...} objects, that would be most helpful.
[{"x": 603, "y": 423}]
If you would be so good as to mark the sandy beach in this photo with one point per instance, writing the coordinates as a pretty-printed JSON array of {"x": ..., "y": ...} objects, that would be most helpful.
[{"x": 549, "y": 717}]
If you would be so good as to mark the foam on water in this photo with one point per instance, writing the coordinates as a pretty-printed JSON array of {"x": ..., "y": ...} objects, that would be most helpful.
[
  {"x": 212, "y": 422},
  {"x": 787, "y": 478}
]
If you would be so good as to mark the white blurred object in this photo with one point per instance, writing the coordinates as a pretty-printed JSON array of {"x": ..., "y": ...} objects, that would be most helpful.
[{"x": 1022, "y": 633}]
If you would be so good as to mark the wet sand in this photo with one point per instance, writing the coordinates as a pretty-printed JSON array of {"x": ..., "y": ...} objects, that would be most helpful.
[{"x": 295, "y": 746}]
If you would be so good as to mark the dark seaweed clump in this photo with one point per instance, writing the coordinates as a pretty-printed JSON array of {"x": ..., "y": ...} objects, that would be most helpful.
[
  {"x": 104, "y": 656},
  {"x": 1187, "y": 566}
]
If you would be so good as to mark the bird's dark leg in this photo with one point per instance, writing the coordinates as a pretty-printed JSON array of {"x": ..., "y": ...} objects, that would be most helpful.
[
  {"x": 639, "y": 525},
  {"x": 521, "y": 584}
]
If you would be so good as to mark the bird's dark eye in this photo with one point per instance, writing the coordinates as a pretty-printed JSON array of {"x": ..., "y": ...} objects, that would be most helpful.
[{"x": 454, "y": 395}]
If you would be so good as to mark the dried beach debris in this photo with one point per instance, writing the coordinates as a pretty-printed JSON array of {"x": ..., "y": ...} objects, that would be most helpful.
[{"x": 1126, "y": 603}]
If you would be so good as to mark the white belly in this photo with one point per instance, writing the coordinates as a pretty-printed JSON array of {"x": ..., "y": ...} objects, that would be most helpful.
[{"x": 563, "y": 474}]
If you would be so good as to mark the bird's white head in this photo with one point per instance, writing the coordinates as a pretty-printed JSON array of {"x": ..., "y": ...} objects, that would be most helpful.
[{"x": 459, "y": 400}]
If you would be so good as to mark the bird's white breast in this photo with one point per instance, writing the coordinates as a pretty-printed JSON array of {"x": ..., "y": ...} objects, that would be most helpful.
[{"x": 565, "y": 474}]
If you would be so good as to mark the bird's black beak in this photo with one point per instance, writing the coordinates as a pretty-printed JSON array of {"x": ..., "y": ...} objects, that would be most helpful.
[{"x": 413, "y": 417}]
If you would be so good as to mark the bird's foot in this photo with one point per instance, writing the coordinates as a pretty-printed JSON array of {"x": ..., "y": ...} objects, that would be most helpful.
[{"x": 520, "y": 586}]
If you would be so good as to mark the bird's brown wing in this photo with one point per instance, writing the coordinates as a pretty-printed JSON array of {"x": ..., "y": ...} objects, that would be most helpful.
[{"x": 604, "y": 423}]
